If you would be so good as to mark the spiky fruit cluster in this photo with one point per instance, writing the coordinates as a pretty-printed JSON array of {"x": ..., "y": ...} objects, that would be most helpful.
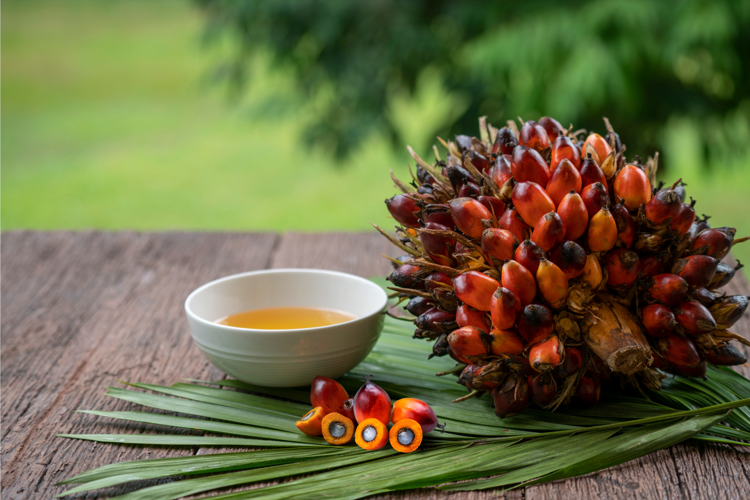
[{"x": 544, "y": 264}]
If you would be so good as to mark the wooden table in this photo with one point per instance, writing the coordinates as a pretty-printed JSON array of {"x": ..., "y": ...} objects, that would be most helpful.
[{"x": 81, "y": 311}]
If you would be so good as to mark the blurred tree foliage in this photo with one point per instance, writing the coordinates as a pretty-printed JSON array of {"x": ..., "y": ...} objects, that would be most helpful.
[{"x": 638, "y": 62}]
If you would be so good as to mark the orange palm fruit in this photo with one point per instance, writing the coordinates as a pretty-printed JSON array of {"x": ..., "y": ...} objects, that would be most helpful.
[
  {"x": 600, "y": 145},
  {"x": 466, "y": 341},
  {"x": 694, "y": 318},
  {"x": 564, "y": 149},
  {"x": 500, "y": 171},
  {"x": 564, "y": 179},
  {"x": 546, "y": 355},
  {"x": 531, "y": 201},
  {"x": 533, "y": 136},
  {"x": 574, "y": 215},
  {"x": 505, "y": 307},
  {"x": 371, "y": 434},
  {"x": 512, "y": 221},
  {"x": 591, "y": 173},
  {"x": 505, "y": 141},
  {"x": 553, "y": 285},
  {"x": 402, "y": 208},
  {"x": 498, "y": 243},
  {"x": 417, "y": 410},
  {"x": 505, "y": 342},
  {"x": 658, "y": 320},
  {"x": 595, "y": 198},
  {"x": 551, "y": 126},
  {"x": 684, "y": 219},
  {"x": 542, "y": 388},
  {"x": 570, "y": 257},
  {"x": 519, "y": 280},
  {"x": 548, "y": 231},
  {"x": 717, "y": 242},
  {"x": 528, "y": 166},
  {"x": 406, "y": 435},
  {"x": 337, "y": 429},
  {"x": 468, "y": 214},
  {"x": 625, "y": 225},
  {"x": 592, "y": 272},
  {"x": 466, "y": 316},
  {"x": 602, "y": 233},
  {"x": 311, "y": 422},
  {"x": 633, "y": 186},
  {"x": 469, "y": 379},
  {"x": 697, "y": 270},
  {"x": 622, "y": 267},
  {"x": 667, "y": 288},
  {"x": 475, "y": 289},
  {"x": 529, "y": 254},
  {"x": 535, "y": 323},
  {"x": 495, "y": 205}
]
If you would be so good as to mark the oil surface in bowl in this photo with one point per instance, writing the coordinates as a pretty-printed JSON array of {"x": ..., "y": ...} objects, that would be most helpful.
[{"x": 286, "y": 318}]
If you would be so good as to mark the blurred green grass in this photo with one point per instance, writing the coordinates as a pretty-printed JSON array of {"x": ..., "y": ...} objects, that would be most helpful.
[{"x": 109, "y": 123}]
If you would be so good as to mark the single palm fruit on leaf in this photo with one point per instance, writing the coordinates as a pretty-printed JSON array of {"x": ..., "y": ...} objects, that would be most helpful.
[
  {"x": 337, "y": 429},
  {"x": 542, "y": 262},
  {"x": 372, "y": 402},
  {"x": 327, "y": 394},
  {"x": 371, "y": 434},
  {"x": 406, "y": 435},
  {"x": 417, "y": 410}
]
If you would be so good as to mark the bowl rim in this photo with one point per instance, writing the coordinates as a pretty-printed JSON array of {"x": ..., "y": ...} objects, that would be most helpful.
[{"x": 289, "y": 270}]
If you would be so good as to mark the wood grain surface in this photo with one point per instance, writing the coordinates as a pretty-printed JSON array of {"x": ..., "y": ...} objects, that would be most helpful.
[{"x": 81, "y": 311}]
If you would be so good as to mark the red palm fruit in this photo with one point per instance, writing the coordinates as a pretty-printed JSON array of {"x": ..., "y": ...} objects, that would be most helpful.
[
  {"x": 347, "y": 409},
  {"x": 653, "y": 264},
  {"x": 572, "y": 362},
  {"x": 551, "y": 126},
  {"x": 564, "y": 149},
  {"x": 504, "y": 307},
  {"x": 622, "y": 267},
  {"x": 535, "y": 323},
  {"x": 463, "y": 142},
  {"x": 694, "y": 318},
  {"x": 533, "y": 136},
  {"x": 468, "y": 379},
  {"x": 669, "y": 289},
  {"x": 602, "y": 233},
  {"x": 697, "y": 371},
  {"x": 588, "y": 392},
  {"x": 633, "y": 186},
  {"x": 416, "y": 410},
  {"x": 372, "y": 402},
  {"x": 407, "y": 276},
  {"x": 466, "y": 341},
  {"x": 498, "y": 243},
  {"x": 600, "y": 145},
  {"x": 441, "y": 214},
  {"x": 512, "y": 221},
  {"x": 591, "y": 173},
  {"x": 564, "y": 179},
  {"x": 625, "y": 225},
  {"x": 519, "y": 364},
  {"x": 570, "y": 257},
  {"x": 574, "y": 215},
  {"x": 438, "y": 248},
  {"x": 528, "y": 254},
  {"x": 505, "y": 342},
  {"x": 542, "y": 389},
  {"x": 546, "y": 355},
  {"x": 704, "y": 296},
  {"x": 504, "y": 142},
  {"x": 475, "y": 289},
  {"x": 725, "y": 355},
  {"x": 678, "y": 350},
  {"x": 519, "y": 280},
  {"x": 528, "y": 166},
  {"x": 478, "y": 160},
  {"x": 468, "y": 214},
  {"x": 436, "y": 320},
  {"x": 684, "y": 219},
  {"x": 592, "y": 272},
  {"x": 658, "y": 320},
  {"x": 494, "y": 205},
  {"x": 469, "y": 190},
  {"x": 666, "y": 204},
  {"x": 727, "y": 311},
  {"x": 512, "y": 396},
  {"x": 419, "y": 305},
  {"x": 548, "y": 231},
  {"x": 594, "y": 198},
  {"x": 553, "y": 285},
  {"x": 500, "y": 171},
  {"x": 724, "y": 274},
  {"x": 531, "y": 201},
  {"x": 402, "y": 208},
  {"x": 717, "y": 242},
  {"x": 328, "y": 394},
  {"x": 432, "y": 280},
  {"x": 697, "y": 270},
  {"x": 466, "y": 316}
]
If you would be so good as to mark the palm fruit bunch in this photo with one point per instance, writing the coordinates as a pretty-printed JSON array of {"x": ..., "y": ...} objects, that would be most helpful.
[{"x": 546, "y": 263}]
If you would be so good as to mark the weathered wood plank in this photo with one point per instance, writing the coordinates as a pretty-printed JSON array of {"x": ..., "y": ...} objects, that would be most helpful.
[{"x": 83, "y": 310}]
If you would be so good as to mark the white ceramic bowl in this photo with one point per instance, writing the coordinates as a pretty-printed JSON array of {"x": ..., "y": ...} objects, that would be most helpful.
[{"x": 286, "y": 358}]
